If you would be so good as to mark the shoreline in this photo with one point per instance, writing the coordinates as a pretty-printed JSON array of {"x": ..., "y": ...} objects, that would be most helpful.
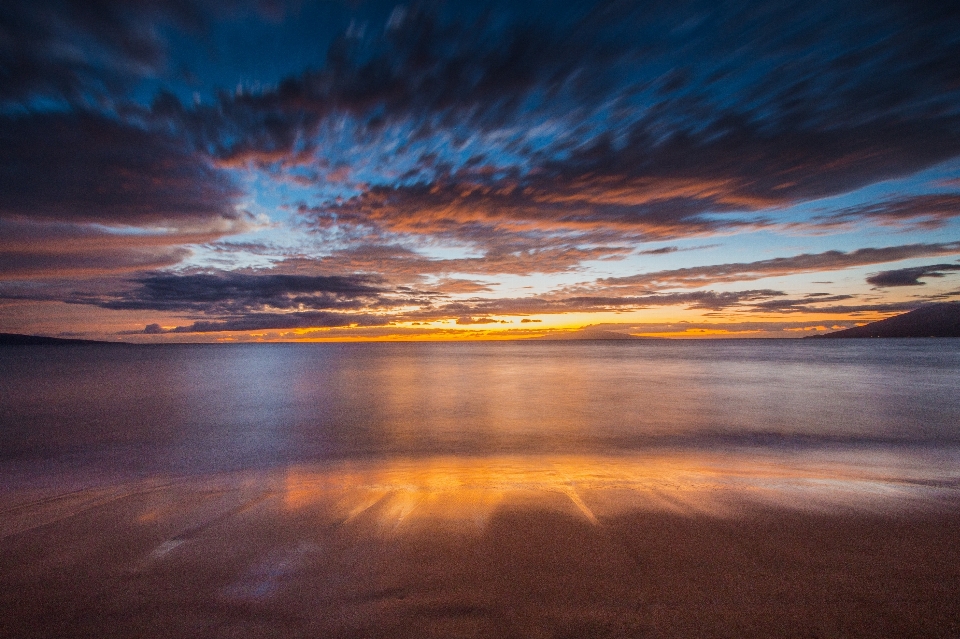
[{"x": 504, "y": 547}]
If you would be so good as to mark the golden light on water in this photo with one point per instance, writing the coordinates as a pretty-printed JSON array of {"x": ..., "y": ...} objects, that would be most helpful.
[{"x": 464, "y": 493}]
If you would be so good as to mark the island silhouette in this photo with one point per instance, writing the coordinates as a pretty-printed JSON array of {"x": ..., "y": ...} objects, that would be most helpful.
[{"x": 931, "y": 320}]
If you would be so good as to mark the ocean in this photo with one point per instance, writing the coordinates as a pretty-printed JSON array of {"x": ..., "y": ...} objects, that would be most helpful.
[
  {"x": 512, "y": 489},
  {"x": 214, "y": 408}
]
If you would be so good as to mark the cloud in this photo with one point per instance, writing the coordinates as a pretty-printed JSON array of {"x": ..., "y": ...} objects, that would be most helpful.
[
  {"x": 507, "y": 254},
  {"x": 245, "y": 301},
  {"x": 724, "y": 177},
  {"x": 550, "y": 204},
  {"x": 479, "y": 320},
  {"x": 916, "y": 211},
  {"x": 660, "y": 251},
  {"x": 268, "y": 321},
  {"x": 805, "y": 263},
  {"x": 476, "y": 71},
  {"x": 68, "y": 50},
  {"x": 241, "y": 293},
  {"x": 601, "y": 118},
  {"x": 533, "y": 138},
  {"x": 23, "y": 265},
  {"x": 83, "y": 194},
  {"x": 83, "y": 167},
  {"x": 454, "y": 286},
  {"x": 485, "y": 307},
  {"x": 910, "y": 276},
  {"x": 51, "y": 249},
  {"x": 822, "y": 306},
  {"x": 86, "y": 52}
]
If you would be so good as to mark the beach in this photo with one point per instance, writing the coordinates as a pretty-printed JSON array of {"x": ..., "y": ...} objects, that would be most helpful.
[
  {"x": 747, "y": 489},
  {"x": 665, "y": 545},
  {"x": 507, "y": 320}
]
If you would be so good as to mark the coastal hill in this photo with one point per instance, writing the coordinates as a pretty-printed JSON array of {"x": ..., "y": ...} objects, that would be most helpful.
[
  {"x": 932, "y": 320},
  {"x": 584, "y": 334},
  {"x": 15, "y": 339}
]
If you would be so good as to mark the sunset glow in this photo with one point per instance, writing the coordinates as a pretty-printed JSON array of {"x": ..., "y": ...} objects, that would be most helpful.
[{"x": 273, "y": 171}]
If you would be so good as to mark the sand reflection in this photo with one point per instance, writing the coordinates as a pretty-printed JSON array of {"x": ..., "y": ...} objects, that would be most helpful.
[
  {"x": 463, "y": 493},
  {"x": 497, "y": 546},
  {"x": 396, "y": 496}
]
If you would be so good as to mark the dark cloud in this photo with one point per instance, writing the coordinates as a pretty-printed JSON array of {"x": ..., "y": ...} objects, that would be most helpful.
[
  {"x": 67, "y": 178},
  {"x": 931, "y": 211},
  {"x": 434, "y": 68},
  {"x": 454, "y": 286},
  {"x": 82, "y": 167},
  {"x": 695, "y": 182},
  {"x": 855, "y": 309},
  {"x": 753, "y": 107},
  {"x": 89, "y": 51},
  {"x": 805, "y": 263},
  {"x": 660, "y": 251},
  {"x": 242, "y": 293},
  {"x": 669, "y": 147},
  {"x": 544, "y": 203},
  {"x": 72, "y": 49},
  {"x": 268, "y": 321},
  {"x": 533, "y": 137},
  {"x": 485, "y": 307},
  {"x": 479, "y": 320},
  {"x": 21, "y": 265},
  {"x": 718, "y": 328},
  {"x": 509, "y": 254},
  {"x": 50, "y": 249},
  {"x": 910, "y": 276},
  {"x": 827, "y": 305},
  {"x": 246, "y": 302}
]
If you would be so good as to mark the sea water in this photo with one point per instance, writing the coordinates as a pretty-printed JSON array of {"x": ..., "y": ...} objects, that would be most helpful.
[{"x": 215, "y": 408}]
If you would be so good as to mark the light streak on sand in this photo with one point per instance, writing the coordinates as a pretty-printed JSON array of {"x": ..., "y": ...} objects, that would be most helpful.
[
  {"x": 466, "y": 492},
  {"x": 395, "y": 496},
  {"x": 499, "y": 546}
]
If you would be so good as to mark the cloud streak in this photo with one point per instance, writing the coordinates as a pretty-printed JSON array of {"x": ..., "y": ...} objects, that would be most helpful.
[
  {"x": 805, "y": 263},
  {"x": 928, "y": 212},
  {"x": 910, "y": 276},
  {"x": 396, "y": 162},
  {"x": 83, "y": 167},
  {"x": 274, "y": 321},
  {"x": 233, "y": 293}
]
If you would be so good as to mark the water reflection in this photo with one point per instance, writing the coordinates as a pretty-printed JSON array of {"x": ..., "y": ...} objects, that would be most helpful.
[
  {"x": 463, "y": 493},
  {"x": 219, "y": 408},
  {"x": 344, "y": 488}
]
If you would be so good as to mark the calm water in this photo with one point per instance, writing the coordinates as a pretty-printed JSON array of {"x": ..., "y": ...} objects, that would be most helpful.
[{"x": 219, "y": 407}]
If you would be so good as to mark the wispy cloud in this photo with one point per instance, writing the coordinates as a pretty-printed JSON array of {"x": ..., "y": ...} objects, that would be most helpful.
[
  {"x": 408, "y": 157},
  {"x": 272, "y": 321},
  {"x": 82, "y": 167},
  {"x": 928, "y": 211},
  {"x": 805, "y": 263},
  {"x": 910, "y": 276},
  {"x": 231, "y": 293}
]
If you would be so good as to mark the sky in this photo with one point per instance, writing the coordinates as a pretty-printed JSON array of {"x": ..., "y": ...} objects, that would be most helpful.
[{"x": 233, "y": 170}]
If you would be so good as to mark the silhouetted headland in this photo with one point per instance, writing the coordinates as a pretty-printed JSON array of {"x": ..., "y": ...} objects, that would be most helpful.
[
  {"x": 15, "y": 339},
  {"x": 934, "y": 320}
]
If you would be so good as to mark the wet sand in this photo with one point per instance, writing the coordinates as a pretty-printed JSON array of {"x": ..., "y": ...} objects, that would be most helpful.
[{"x": 507, "y": 547}]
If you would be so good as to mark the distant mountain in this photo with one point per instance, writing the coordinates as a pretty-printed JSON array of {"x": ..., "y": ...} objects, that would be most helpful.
[
  {"x": 933, "y": 320},
  {"x": 13, "y": 339},
  {"x": 590, "y": 334}
]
